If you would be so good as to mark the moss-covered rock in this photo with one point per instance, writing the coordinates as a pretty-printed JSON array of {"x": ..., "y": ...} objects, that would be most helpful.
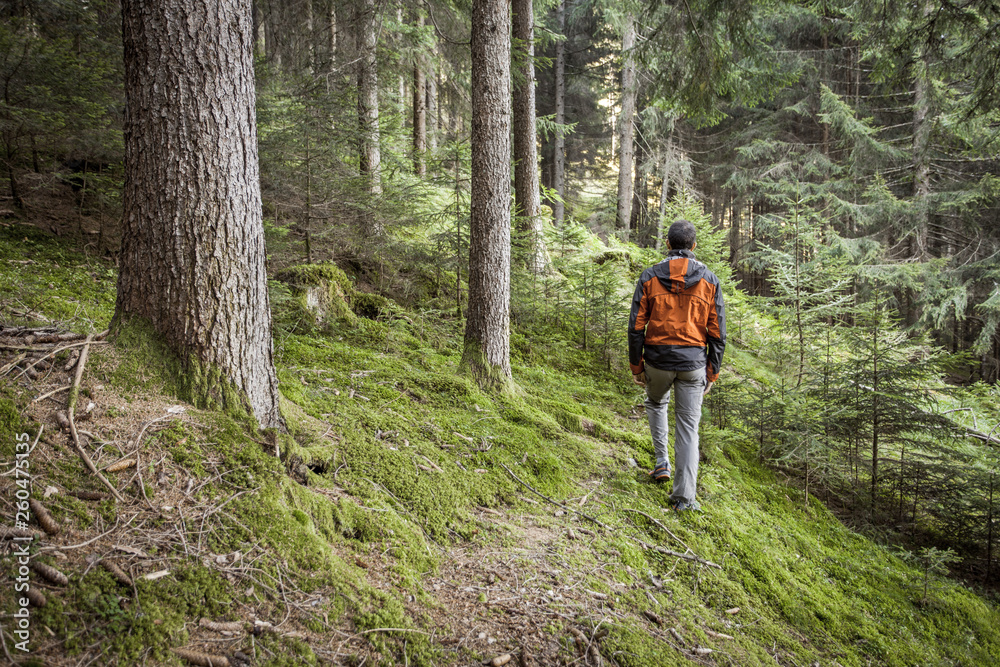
[
  {"x": 374, "y": 306},
  {"x": 322, "y": 290},
  {"x": 616, "y": 256}
]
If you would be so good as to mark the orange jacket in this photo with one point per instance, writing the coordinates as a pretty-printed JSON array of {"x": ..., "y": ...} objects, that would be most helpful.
[{"x": 678, "y": 320}]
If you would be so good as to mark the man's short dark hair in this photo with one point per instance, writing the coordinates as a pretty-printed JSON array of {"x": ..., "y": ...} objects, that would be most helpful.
[{"x": 681, "y": 235}]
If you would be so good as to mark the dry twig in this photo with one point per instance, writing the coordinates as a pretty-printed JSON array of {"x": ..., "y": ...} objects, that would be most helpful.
[{"x": 74, "y": 393}]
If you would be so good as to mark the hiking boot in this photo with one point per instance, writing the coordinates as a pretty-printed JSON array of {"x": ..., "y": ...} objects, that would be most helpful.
[
  {"x": 660, "y": 473},
  {"x": 684, "y": 506}
]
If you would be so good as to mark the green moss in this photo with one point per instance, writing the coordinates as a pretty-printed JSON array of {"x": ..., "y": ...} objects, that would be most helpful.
[
  {"x": 490, "y": 378},
  {"x": 319, "y": 291},
  {"x": 60, "y": 283},
  {"x": 92, "y": 609},
  {"x": 148, "y": 364},
  {"x": 373, "y": 306},
  {"x": 316, "y": 274},
  {"x": 397, "y": 646},
  {"x": 369, "y": 402},
  {"x": 10, "y": 427},
  {"x": 62, "y": 506}
]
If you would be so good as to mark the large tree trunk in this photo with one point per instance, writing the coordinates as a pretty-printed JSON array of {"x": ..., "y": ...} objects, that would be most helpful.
[
  {"x": 487, "y": 332},
  {"x": 527, "y": 197},
  {"x": 192, "y": 258},
  {"x": 626, "y": 132},
  {"x": 370, "y": 154},
  {"x": 559, "y": 158}
]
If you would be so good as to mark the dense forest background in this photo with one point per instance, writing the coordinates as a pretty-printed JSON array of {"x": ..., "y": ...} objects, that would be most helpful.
[{"x": 840, "y": 159}]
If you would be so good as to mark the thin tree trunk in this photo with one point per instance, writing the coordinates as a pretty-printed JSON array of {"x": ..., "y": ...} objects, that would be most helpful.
[
  {"x": 419, "y": 119},
  {"x": 875, "y": 406},
  {"x": 487, "y": 332},
  {"x": 640, "y": 190},
  {"x": 15, "y": 190},
  {"x": 626, "y": 131},
  {"x": 559, "y": 147},
  {"x": 192, "y": 259},
  {"x": 332, "y": 34},
  {"x": 259, "y": 49},
  {"x": 527, "y": 196},
  {"x": 921, "y": 158},
  {"x": 401, "y": 79},
  {"x": 310, "y": 38},
  {"x": 368, "y": 114},
  {"x": 799, "y": 326},
  {"x": 989, "y": 529},
  {"x": 308, "y": 231},
  {"x": 664, "y": 193},
  {"x": 432, "y": 109}
]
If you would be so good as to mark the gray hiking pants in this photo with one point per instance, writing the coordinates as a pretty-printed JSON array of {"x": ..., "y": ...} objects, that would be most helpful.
[{"x": 690, "y": 389}]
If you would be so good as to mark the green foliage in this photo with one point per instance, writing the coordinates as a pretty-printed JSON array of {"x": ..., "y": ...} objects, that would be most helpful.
[
  {"x": 808, "y": 184},
  {"x": 933, "y": 563},
  {"x": 60, "y": 79}
]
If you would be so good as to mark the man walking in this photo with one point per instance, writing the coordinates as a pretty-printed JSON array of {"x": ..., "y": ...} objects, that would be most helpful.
[{"x": 676, "y": 337}]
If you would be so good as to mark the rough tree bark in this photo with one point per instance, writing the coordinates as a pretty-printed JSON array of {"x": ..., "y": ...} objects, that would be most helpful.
[
  {"x": 626, "y": 132},
  {"x": 368, "y": 120},
  {"x": 559, "y": 159},
  {"x": 527, "y": 197},
  {"x": 487, "y": 332},
  {"x": 192, "y": 258}
]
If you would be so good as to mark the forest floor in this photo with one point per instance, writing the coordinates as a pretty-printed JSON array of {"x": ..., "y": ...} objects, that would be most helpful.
[
  {"x": 408, "y": 518},
  {"x": 489, "y": 597}
]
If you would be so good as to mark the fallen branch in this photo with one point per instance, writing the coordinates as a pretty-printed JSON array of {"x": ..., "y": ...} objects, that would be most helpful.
[
  {"x": 91, "y": 540},
  {"x": 74, "y": 394},
  {"x": 659, "y": 525},
  {"x": 32, "y": 348},
  {"x": 9, "y": 367},
  {"x": 52, "y": 393},
  {"x": 554, "y": 502},
  {"x": 691, "y": 557},
  {"x": 987, "y": 438}
]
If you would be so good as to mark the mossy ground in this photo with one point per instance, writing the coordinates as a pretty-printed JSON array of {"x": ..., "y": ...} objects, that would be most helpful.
[{"x": 387, "y": 530}]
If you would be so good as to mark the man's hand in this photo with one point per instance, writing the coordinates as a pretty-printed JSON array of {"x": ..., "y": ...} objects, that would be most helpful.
[
  {"x": 708, "y": 388},
  {"x": 639, "y": 379}
]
